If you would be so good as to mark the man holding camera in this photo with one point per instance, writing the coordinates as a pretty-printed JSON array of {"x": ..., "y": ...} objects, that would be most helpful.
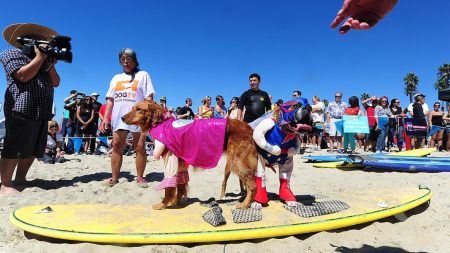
[{"x": 31, "y": 79}]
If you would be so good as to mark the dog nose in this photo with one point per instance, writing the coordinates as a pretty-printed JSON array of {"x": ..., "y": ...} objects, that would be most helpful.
[{"x": 123, "y": 118}]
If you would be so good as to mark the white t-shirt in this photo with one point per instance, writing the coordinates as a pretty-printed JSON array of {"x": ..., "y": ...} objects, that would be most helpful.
[
  {"x": 425, "y": 108},
  {"x": 318, "y": 116},
  {"x": 126, "y": 94},
  {"x": 51, "y": 143}
]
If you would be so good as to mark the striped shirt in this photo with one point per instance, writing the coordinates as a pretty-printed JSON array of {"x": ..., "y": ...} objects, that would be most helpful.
[{"x": 32, "y": 99}]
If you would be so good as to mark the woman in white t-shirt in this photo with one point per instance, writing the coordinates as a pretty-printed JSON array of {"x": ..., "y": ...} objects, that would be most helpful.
[{"x": 125, "y": 90}]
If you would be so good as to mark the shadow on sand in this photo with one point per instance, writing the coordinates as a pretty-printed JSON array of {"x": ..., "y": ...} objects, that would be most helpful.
[{"x": 98, "y": 177}]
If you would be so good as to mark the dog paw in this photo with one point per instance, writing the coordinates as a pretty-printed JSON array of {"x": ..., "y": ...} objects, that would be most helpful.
[
  {"x": 159, "y": 206},
  {"x": 242, "y": 206},
  {"x": 292, "y": 203},
  {"x": 256, "y": 205}
]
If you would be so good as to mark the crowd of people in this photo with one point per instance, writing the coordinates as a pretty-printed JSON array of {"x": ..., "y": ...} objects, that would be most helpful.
[
  {"x": 83, "y": 115},
  {"x": 81, "y": 118}
]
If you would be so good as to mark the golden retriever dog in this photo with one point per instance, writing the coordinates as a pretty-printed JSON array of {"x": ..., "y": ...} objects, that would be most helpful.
[{"x": 238, "y": 144}]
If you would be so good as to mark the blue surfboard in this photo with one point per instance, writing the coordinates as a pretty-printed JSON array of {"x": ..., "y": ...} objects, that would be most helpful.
[{"x": 426, "y": 166}]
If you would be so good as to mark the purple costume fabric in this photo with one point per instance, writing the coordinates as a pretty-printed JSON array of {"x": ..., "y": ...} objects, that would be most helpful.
[{"x": 198, "y": 142}]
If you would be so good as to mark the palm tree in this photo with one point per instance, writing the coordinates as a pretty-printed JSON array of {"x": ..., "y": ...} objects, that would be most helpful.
[
  {"x": 411, "y": 82},
  {"x": 364, "y": 96},
  {"x": 443, "y": 81}
]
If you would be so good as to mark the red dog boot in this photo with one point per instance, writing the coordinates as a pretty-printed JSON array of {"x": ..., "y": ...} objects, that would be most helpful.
[
  {"x": 285, "y": 192},
  {"x": 261, "y": 193}
]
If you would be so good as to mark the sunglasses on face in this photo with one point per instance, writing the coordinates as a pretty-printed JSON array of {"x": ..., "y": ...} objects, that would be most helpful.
[
  {"x": 337, "y": 96},
  {"x": 126, "y": 59},
  {"x": 383, "y": 101}
]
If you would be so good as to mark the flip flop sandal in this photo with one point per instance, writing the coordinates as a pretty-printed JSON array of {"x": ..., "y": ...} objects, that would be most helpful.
[
  {"x": 110, "y": 182},
  {"x": 141, "y": 182}
]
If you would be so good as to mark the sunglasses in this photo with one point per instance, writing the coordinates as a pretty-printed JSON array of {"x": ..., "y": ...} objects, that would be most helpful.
[
  {"x": 126, "y": 59},
  {"x": 337, "y": 96},
  {"x": 385, "y": 101}
]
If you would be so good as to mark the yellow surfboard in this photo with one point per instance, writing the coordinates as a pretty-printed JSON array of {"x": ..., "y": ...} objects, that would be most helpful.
[
  {"x": 141, "y": 224},
  {"x": 415, "y": 152},
  {"x": 339, "y": 165}
]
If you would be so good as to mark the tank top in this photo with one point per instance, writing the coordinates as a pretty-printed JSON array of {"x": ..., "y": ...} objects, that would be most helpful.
[
  {"x": 206, "y": 115},
  {"x": 233, "y": 114},
  {"x": 399, "y": 120},
  {"x": 85, "y": 113},
  {"x": 436, "y": 120}
]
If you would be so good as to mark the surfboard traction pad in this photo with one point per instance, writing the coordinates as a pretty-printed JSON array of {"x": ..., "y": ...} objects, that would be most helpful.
[{"x": 308, "y": 207}]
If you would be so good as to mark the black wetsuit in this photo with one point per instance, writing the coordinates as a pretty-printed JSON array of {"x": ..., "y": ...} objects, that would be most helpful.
[{"x": 256, "y": 103}]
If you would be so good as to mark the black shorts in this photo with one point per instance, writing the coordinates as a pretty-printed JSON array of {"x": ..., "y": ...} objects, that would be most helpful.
[{"x": 24, "y": 138}]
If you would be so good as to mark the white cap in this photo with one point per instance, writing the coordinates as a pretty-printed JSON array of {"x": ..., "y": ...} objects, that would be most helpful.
[{"x": 94, "y": 94}]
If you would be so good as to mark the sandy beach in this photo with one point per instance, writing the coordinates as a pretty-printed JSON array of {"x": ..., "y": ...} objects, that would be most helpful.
[{"x": 80, "y": 181}]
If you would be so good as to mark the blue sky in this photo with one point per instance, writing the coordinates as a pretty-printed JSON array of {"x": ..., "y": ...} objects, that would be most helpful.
[{"x": 198, "y": 48}]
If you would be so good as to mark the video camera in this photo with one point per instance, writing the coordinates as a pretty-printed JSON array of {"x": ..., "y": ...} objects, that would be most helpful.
[
  {"x": 80, "y": 97},
  {"x": 59, "y": 47}
]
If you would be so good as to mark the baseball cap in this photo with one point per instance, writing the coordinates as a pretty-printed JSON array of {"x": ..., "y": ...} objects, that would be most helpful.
[
  {"x": 94, "y": 94},
  {"x": 73, "y": 91},
  {"x": 418, "y": 94},
  {"x": 163, "y": 98}
]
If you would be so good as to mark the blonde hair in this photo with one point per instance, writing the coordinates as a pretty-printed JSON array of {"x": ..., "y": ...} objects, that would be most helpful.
[{"x": 51, "y": 124}]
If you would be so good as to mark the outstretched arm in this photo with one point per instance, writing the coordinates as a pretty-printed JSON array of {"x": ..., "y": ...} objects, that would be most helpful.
[
  {"x": 362, "y": 14},
  {"x": 260, "y": 139}
]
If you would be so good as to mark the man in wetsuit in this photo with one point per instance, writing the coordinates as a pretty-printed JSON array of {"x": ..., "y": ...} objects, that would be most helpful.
[{"x": 255, "y": 101}]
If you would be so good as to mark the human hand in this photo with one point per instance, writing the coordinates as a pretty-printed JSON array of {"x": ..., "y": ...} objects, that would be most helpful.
[
  {"x": 104, "y": 125},
  {"x": 362, "y": 14},
  {"x": 39, "y": 53}
]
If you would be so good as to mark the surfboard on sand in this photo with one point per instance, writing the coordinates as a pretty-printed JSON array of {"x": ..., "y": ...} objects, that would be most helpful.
[
  {"x": 341, "y": 157},
  {"x": 140, "y": 224},
  {"x": 339, "y": 165}
]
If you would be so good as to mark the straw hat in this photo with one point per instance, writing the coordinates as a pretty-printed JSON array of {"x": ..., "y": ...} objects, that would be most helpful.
[{"x": 22, "y": 29}]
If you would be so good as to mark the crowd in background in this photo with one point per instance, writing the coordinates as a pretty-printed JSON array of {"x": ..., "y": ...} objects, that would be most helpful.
[{"x": 83, "y": 114}]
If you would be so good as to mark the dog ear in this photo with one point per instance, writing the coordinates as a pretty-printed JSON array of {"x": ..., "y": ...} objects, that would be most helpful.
[
  {"x": 153, "y": 114},
  {"x": 157, "y": 114},
  {"x": 148, "y": 115}
]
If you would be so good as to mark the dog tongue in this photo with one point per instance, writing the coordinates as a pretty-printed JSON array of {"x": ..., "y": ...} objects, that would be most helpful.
[{"x": 303, "y": 128}]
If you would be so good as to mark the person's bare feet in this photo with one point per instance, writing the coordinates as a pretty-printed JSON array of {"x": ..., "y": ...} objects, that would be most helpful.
[{"x": 4, "y": 190}]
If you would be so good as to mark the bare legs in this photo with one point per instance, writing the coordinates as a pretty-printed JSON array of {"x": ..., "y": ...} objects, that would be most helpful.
[{"x": 7, "y": 167}]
